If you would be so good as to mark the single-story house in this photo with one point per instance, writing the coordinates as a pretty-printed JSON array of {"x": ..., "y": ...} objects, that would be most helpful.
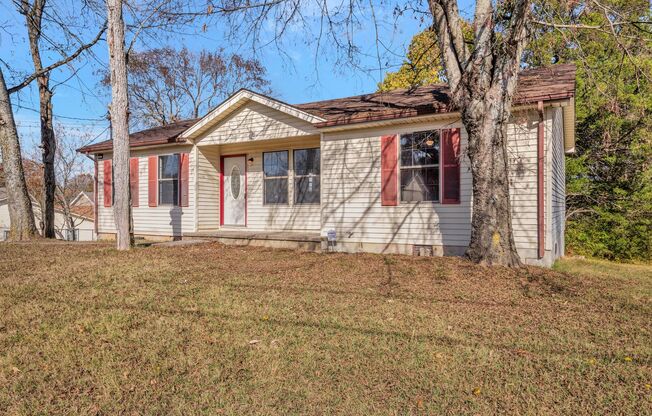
[
  {"x": 385, "y": 172},
  {"x": 81, "y": 211}
]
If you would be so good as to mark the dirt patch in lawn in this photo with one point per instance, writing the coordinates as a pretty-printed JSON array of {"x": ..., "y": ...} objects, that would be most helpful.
[{"x": 222, "y": 329}]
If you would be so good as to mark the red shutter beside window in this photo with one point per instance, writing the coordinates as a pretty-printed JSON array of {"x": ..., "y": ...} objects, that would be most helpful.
[
  {"x": 450, "y": 171},
  {"x": 389, "y": 170},
  {"x": 108, "y": 184},
  {"x": 152, "y": 181},
  {"x": 184, "y": 178},
  {"x": 133, "y": 180}
]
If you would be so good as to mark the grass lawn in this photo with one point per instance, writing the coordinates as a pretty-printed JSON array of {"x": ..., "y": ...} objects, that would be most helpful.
[{"x": 216, "y": 329}]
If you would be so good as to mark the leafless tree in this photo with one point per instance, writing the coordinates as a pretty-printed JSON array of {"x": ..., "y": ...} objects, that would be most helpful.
[
  {"x": 72, "y": 174},
  {"x": 34, "y": 12},
  {"x": 20, "y": 209},
  {"x": 168, "y": 85}
]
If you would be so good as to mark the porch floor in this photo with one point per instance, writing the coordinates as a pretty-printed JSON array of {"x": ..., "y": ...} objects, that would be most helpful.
[{"x": 244, "y": 234}]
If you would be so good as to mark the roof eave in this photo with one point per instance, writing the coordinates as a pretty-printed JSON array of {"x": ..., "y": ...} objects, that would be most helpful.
[{"x": 367, "y": 122}]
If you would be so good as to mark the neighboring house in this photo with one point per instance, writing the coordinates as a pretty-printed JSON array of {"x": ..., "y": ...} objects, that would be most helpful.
[
  {"x": 84, "y": 199},
  {"x": 382, "y": 172},
  {"x": 83, "y": 218}
]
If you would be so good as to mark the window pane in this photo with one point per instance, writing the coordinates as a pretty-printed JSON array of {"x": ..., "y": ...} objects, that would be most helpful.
[
  {"x": 420, "y": 184},
  {"x": 276, "y": 191},
  {"x": 168, "y": 192},
  {"x": 406, "y": 150},
  {"x": 420, "y": 148},
  {"x": 275, "y": 163},
  {"x": 306, "y": 190},
  {"x": 168, "y": 167},
  {"x": 306, "y": 161}
]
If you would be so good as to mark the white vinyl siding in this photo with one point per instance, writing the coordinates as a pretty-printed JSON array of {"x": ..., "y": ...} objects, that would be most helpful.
[
  {"x": 351, "y": 192},
  {"x": 351, "y": 195},
  {"x": 208, "y": 188},
  {"x": 157, "y": 221},
  {"x": 256, "y": 122}
]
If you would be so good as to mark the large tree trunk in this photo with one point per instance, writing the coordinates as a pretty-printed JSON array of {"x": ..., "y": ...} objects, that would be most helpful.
[
  {"x": 33, "y": 19},
  {"x": 48, "y": 147},
  {"x": 492, "y": 240},
  {"x": 21, "y": 214},
  {"x": 482, "y": 83},
  {"x": 119, "y": 124}
]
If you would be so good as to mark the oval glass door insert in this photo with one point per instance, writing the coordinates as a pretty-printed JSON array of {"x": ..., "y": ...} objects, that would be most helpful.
[{"x": 235, "y": 182}]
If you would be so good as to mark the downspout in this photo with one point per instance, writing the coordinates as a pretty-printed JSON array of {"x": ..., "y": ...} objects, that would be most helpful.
[
  {"x": 95, "y": 190},
  {"x": 540, "y": 190}
]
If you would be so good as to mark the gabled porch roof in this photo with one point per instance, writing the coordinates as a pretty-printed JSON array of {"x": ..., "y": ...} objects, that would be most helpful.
[{"x": 236, "y": 101}]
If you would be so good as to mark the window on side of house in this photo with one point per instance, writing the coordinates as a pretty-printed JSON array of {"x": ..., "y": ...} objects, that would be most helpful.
[
  {"x": 306, "y": 176},
  {"x": 275, "y": 177},
  {"x": 168, "y": 179},
  {"x": 419, "y": 166}
]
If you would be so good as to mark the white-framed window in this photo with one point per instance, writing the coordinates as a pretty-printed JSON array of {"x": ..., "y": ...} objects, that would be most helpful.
[
  {"x": 307, "y": 176},
  {"x": 275, "y": 177},
  {"x": 419, "y": 166},
  {"x": 168, "y": 179}
]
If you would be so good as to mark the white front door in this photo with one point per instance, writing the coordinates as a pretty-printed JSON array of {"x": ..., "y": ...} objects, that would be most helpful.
[{"x": 235, "y": 198}]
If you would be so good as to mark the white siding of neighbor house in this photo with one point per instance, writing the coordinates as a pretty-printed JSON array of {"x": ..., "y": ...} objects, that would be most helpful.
[
  {"x": 558, "y": 184},
  {"x": 254, "y": 122},
  {"x": 86, "y": 227},
  {"x": 4, "y": 219},
  {"x": 163, "y": 220},
  {"x": 351, "y": 192}
]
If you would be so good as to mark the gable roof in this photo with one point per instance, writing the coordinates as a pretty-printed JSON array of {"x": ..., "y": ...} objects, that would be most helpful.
[
  {"x": 541, "y": 84},
  {"x": 556, "y": 82},
  {"x": 83, "y": 195},
  {"x": 168, "y": 134}
]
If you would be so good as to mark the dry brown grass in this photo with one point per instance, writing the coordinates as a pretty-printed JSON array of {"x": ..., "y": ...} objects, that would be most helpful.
[{"x": 88, "y": 330}]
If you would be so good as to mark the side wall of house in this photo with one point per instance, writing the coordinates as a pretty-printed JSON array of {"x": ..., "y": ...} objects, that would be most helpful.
[
  {"x": 558, "y": 184},
  {"x": 351, "y": 194},
  {"x": 162, "y": 220}
]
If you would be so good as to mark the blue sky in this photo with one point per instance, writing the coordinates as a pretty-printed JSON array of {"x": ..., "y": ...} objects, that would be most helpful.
[{"x": 300, "y": 76}]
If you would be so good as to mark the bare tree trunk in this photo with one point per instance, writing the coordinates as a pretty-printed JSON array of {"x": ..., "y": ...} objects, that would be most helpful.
[
  {"x": 482, "y": 83},
  {"x": 492, "y": 240},
  {"x": 119, "y": 124},
  {"x": 21, "y": 214},
  {"x": 33, "y": 19}
]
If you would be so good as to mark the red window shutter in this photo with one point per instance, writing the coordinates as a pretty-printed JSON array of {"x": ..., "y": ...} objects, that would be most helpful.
[
  {"x": 133, "y": 180},
  {"x": 389, "y": 170},
  {"x": 450, "y": 171},
  {"x": 184, "y": 178},
  {"x": 152, "y": 181},
  {"x": 108, "y": 184}
]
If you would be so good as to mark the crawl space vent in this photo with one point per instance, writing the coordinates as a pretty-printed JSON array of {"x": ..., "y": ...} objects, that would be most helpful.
[{"x": 422, "y": 250}]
